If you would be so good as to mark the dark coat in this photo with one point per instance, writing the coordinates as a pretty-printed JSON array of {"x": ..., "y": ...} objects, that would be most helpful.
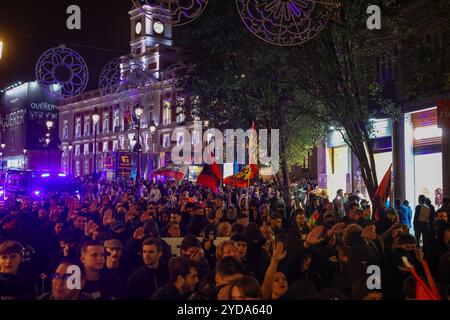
[{"x": 144, "y": 282}]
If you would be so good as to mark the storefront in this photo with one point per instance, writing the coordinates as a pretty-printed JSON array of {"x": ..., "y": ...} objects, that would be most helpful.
[
  {"x": 342, "y": 167},
  {"x": 423, "y": 155}
]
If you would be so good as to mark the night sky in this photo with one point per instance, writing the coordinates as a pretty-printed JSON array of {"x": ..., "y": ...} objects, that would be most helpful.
[{"x": 28, "y": 28}]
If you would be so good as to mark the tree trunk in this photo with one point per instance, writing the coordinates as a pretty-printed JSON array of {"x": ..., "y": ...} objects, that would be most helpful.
[{"x": 285, "y": 171}]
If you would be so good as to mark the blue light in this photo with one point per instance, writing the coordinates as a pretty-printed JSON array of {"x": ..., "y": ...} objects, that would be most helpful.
[
  {"x": 45, "y": 175},
  {"x": 37, "y": 193},
  {"x": 77, "y": 192},
  {"x": 61, "y": 175}
]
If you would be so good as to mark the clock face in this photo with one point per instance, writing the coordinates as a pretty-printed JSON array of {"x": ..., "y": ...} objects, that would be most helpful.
[
  {"x": 138, "y": 28},
  {"x": 158, "y": 27}
]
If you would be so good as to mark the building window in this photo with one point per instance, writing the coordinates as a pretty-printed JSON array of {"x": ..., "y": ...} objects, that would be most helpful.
[
  {"x": 209, "y": 138},
  {"x": 86, "y": 167},
  {"x": 77, "y": 168},
  {"x": 86, "y": 149},
  {"x": 167, "y": 114},
  {"x": 116, "y": 121},
  {"x": 180, "y": 138},
  {"x": 122, "y": 142},
  {"x": 78, "y": 128},
  {"x": 166, "y": 141},
  {"x": 180, "y": 115},
  {"x": 87, "y": 126},
  {"x": 195, "y": 137},
  {"x": 105, "y": 123},
  {"x": 115, "y": 145},
  {"x": 77, "y": 150},
  {"x": 66, "y": 130},
  {"x": 105, "y": 146},
  {"x": 146, "y": 146}
]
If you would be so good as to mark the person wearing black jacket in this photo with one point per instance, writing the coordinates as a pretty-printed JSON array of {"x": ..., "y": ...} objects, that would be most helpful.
[
  {"x": 146, "y": 280},
  {"x": 258, "y": 259},
  {"x": 101, "y": 284},
  {"x": 12, "y": 286},
  {"x": 438, "y": 247},
  {"x": 183, "y": 280}
]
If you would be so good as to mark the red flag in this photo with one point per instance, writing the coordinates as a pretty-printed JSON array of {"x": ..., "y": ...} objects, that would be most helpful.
[
  {"x": 383, "y": 190},
  {"x": 177, "y": 172},
  {"x": 210, "y": 177}
]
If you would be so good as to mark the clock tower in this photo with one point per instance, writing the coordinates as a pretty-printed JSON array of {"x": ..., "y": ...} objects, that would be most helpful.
[{"x": 148, "y": 28}]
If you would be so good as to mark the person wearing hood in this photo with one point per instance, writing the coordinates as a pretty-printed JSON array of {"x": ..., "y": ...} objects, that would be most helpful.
[
  {"x": 198, "y": 221},
  {"x": 303, "y": 289},
  {"x": 438, "y": 247},
  {"x": 399, "y": 272},
  {"x": 258, "y": 259}
]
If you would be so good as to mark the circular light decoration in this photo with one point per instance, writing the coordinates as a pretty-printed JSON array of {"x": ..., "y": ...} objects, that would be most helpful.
[
  {"x": 62, "y": 72},
  {"x": 124, "y": 82},
  {"x": 173, "y": 12},
  {"x": 285, "y": 22}
]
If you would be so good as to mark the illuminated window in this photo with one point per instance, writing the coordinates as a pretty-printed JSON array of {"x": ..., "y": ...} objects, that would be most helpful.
[
  {"x": 116, "y": 121},
  {"x": 105, "y": 146},
  {"x": 77, "y": 150},
  {"x": 180, "y": 138},
  {"x": 428, "y": 132},
  {"x": 105, "y": 123},
  {"x": 166, "y": 141},
  {"x": 115, "y": 145},
  {"x": 78, "y": 128},
  {"x": 86, "y": 149},
  {"x": 86, "y": 167},
  {"x": 167, "y": 114},
  {"x": 195, "y": 137},
  {"x": 66, "y": 130},
  {"x": 77, "y": 168},
  {"x": 87, "y": 126}
]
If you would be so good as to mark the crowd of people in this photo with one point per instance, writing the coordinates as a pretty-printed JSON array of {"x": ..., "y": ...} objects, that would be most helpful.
[{"x": 236, "y": 244}]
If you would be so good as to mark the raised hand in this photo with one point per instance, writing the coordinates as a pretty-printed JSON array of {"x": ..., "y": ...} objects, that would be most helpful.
[
  {"x": 129, "y": 216},
  {"x": 90, "y": 228},
  {"x": 369, "y": 233},
  {"x": 139, "y": 233},
  {"x": 314, "y": 237},
  {"x": 108, "y": 217},
  {"x": 279, "y": 253}
]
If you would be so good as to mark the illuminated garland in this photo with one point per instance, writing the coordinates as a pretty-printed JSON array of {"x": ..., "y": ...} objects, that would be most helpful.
[
  {"x": 180, "y": 12},
  {"x": 285, "y": 22},
  {"x": 62, "y": 72}
]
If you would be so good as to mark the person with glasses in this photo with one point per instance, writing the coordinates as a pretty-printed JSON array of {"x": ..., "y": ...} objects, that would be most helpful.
[{"x": 60, "y": 285}]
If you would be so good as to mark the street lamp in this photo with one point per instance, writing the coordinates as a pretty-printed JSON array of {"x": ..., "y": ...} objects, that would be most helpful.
[
  {"x": 95, "y": 119},
  {"x": 152, "y": 133},
  {"x": 70, "y": 158},
  {"x": 25, "y": 159},
  {"x": 138, "y": 111},
  {"x": 3, "y": 145},
  {"x": 49, "y": 124}
]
